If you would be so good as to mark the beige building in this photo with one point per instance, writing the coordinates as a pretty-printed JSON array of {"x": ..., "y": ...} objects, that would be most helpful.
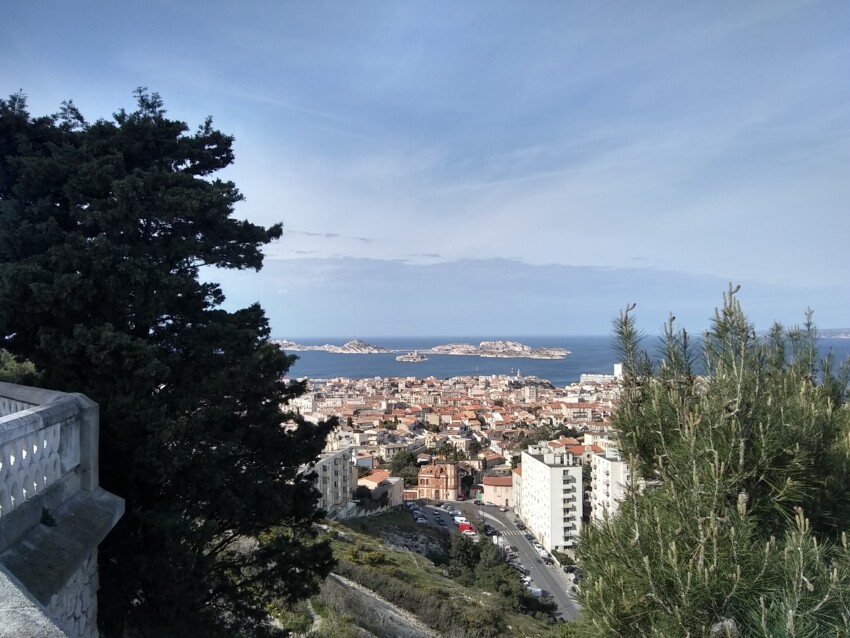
[
  {"x": 380, "y": 482},
  {"x": 498, "y": 490},
  {"x": 516, "y": 475}
]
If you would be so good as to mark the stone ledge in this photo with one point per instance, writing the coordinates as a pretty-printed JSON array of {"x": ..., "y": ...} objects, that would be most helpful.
[
  {"x": 21, "y": 615},
  {"x": 47, "y": 556}
]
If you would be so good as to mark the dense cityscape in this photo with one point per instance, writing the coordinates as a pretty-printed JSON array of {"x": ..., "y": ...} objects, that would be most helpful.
[{"x": 431, "y": 319}]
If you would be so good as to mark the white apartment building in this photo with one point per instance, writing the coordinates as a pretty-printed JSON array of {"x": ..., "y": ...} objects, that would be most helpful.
[
  {"x": 608, "y": 483},
  {"x": 551, "y": 496}
]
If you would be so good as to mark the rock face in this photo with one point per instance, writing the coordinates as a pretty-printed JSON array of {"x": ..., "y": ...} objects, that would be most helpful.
[
  {"x": 371, "y": 612},
  {"x": 421, "y": 544},
  {"x": 501, "y": 349},
  {"x": 355, "y": 346}
]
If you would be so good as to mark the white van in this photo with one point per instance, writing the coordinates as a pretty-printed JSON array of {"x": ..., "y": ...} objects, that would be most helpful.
[{"x": 460, "y": 519}]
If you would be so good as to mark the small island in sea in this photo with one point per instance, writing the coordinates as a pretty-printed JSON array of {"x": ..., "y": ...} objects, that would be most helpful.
[{"x": 499, "y": 349}]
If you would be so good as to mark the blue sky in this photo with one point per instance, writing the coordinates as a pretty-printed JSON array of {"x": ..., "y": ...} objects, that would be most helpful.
[{"x": 495, "y": 168}]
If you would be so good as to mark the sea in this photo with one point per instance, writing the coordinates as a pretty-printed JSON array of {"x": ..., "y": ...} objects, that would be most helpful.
[{"x": 588, "y": 355}]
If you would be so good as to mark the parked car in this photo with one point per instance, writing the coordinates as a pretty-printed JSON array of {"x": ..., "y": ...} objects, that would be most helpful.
[
  {"x": 422, "y": 521},
  {"x": 519, "y": 525},
  {"x": 503, "y": 509}
]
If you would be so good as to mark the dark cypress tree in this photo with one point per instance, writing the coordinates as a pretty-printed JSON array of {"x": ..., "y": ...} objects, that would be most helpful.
[{"x": 103, "y": 229}]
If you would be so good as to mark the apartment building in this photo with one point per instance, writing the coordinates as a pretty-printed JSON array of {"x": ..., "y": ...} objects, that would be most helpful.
[
  {"x": 516, "y": 476},
  {"x": 608, "y": 483},
  {"x": 336, "y": 478},
  {"x": 551, "y": 495}
]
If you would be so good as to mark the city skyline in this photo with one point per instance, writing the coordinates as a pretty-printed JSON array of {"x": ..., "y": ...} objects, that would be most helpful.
[{"x": 495, "y": 168}]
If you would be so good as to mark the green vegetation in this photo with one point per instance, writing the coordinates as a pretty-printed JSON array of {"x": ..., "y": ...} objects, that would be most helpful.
[
  {"x": 741, "y": 529},
  {"x": 404, "y": 465},
  {"x": 14, "y": 371},
  {"x": 103, "y": 229},
  {"x": 412, "y": 582}
]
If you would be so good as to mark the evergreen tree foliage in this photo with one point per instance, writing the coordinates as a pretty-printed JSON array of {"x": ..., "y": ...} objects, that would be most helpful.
[
  {"x": 736, "y": 520},
  {"x": 103, "y": 229}
]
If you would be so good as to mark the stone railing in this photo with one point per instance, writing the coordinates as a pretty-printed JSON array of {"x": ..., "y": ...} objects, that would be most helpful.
[{"x": 53, "y": 513}]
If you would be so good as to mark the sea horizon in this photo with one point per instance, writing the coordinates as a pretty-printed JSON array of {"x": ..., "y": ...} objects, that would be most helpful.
[{"x": 588, "y": 355}]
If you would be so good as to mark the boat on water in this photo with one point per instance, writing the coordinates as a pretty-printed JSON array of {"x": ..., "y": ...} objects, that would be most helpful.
[{"x": 411, "y": 357}]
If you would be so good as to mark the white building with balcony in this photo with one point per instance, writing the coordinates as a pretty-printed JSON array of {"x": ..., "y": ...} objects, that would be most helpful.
[
  {"x": 608, "y": 483},
  {"x": 551, "y": 496}
]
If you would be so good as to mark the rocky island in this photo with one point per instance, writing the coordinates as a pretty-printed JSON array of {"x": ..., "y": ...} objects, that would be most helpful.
[
  {"x": 501, "y": 349},
  {"x": 355, "y": 346}
]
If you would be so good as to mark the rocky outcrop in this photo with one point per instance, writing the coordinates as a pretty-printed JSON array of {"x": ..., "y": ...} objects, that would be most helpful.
[
  {"x": 422, "y": 544},
  {"x": 501, "y": 349},
  {"x": 355, "y": 346},
  {"x": 372, "y": 612}
]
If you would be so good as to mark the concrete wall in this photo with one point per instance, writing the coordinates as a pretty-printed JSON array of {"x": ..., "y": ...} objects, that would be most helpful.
[
  {"x": 53, "y": 513},
  {"x": 75, "y": 605}
]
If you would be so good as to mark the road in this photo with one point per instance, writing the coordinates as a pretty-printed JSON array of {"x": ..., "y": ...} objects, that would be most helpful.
[{"x": 549, "y": 578}]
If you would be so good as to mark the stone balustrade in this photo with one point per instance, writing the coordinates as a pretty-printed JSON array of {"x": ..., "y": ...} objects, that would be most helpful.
[{"x": 53, "y": 513}]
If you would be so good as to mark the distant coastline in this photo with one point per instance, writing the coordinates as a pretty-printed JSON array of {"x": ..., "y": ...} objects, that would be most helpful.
[{"x": 491, "y": 349}]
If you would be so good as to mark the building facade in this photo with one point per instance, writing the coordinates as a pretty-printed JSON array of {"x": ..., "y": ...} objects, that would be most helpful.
[
  {"x": 498, "y": 490},
  {"x": 438, "y": 482},
  {"x": 336, "y": 478},
  {"x": 552, "y": 496},
  {"x": 608, "y": 483}
]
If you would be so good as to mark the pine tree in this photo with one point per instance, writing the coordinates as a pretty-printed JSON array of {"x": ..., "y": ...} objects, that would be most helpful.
[
  {"x": 736, "y": 520},
  {"x": 103, "y": 229}
]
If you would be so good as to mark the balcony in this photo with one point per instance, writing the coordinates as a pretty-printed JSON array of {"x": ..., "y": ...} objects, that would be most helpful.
[{"x": 53, "y": 513}]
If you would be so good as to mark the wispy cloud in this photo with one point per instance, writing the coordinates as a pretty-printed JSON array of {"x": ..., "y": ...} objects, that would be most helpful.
[{"x": 365, "y": 240}]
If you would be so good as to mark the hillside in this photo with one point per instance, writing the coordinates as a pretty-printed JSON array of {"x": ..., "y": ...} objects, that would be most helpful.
[{"x": 414, "y": 585}]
